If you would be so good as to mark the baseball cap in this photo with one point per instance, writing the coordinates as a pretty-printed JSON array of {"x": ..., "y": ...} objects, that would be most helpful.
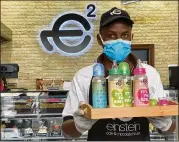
[{"x": 113, "y": 15}]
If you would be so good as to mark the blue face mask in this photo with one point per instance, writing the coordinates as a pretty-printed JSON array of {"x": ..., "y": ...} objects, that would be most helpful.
[{"x": 117, "y": 49}]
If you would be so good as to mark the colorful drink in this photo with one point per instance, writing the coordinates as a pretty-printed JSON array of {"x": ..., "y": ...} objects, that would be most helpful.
[
  {"x": 115, "y": 87},
  {"x": 99, "y": 94},
  {"x": 140, "y": 86}
]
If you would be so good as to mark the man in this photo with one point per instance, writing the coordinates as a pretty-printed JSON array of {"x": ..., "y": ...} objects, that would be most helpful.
[{"x": 115, "y": 35}]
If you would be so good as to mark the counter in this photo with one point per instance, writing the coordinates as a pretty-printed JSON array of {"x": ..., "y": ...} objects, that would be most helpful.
[{"x": 37, "y": 115}]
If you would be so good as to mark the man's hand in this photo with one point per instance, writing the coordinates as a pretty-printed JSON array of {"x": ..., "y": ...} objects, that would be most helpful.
[
  {"x": 69, "y": 129},
  {"x": 164, "y": 124},
  {"x": 82, "y": 124},
  {"x": 73, "y": 128}
]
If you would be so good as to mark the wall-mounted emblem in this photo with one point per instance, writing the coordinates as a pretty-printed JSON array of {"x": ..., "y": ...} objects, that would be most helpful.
[{"x": 70, "y": 34}]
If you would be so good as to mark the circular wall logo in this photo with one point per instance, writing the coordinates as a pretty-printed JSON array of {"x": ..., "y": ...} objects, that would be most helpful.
[{"x": 70, "y": 33}]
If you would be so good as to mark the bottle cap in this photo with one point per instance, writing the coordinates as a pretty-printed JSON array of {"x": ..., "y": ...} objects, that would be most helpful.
[
  {"x": 114, "y": 71},
  {"x": 98, "y": 70},
  {"x": 163, "y": 101},
  {"x": 139, "y": 70},
  {"x": 124, "y": 67}
]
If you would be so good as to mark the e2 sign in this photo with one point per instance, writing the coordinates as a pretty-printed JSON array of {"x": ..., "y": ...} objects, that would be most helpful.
[{"x": 70, "y": 33}]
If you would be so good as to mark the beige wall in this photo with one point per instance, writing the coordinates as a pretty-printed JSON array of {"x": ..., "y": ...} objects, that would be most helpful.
[{"x": 156, "y": 22}]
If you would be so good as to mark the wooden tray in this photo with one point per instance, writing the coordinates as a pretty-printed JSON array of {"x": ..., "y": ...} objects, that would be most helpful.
[{"x": 150, "y": 111}]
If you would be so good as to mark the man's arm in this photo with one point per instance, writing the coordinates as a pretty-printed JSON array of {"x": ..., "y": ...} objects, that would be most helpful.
[
  {"x": 75, "y": 95},
  {"x": 74, "y": 123},
  {"x": 170, "y": 130},
  {"x": 172, "y": 127},
  {"x": 163, "y": 124},
  {"x": 69, "y": 129},
  {"x": 75, "y": 127}
]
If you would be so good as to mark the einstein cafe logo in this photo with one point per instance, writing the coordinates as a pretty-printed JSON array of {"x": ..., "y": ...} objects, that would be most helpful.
[{"x": 70, "y": 34}]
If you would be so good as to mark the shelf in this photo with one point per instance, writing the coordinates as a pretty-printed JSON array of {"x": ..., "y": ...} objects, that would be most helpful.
[
  {"x": 38, "y": 138},
  {"x": 153, "y": 136},
  {"x": 35, "y": 93},
  {"x": 6, "y": 34},
  {"x": 22, "y": 91},
  {"x": 31, "y": 115}
]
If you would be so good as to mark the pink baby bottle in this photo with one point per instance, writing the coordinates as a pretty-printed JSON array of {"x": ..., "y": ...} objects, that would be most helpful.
[{"x": 140, "y": 86}]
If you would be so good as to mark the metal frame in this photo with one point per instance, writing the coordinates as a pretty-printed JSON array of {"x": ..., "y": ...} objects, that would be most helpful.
[{"x": 150, "y": 48}]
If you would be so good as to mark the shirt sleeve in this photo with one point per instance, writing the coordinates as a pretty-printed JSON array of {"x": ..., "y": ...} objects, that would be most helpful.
[
  {"x": 74, "y": 96},
  {"x": 77, "y": 94},
  {"x": 156, "y": 91},
  {"x": 162, "y": 123}
]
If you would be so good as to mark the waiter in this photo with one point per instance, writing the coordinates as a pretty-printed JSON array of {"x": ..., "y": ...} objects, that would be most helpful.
[{"x": 115, "y": 35}]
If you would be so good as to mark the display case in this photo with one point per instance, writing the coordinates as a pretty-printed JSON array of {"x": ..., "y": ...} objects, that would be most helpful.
[
  {"x": 32, "y": 115},
  {"x": 37, "y": 116}
]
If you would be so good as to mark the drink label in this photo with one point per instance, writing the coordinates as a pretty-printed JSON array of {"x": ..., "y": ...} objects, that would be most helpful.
[
  {"x": 116, "y": 98},
  {"x": 141, "y": 93},
  {"x": 143, "y": 96},
  {"x": 127, "y": 92},
  {"x": 99, "y": 95}
]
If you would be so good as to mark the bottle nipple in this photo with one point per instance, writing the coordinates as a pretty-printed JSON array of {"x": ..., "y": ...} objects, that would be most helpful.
[
  {"x": 139, "y": 65},
  {"x": 114, "y": 64},
  {"x": 124, "y": 67}
]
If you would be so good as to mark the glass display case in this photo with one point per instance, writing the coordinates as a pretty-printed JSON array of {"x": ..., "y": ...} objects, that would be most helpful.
[
  {"x": 37, "y": 116},
  {"x": 32, "y": 115}
]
